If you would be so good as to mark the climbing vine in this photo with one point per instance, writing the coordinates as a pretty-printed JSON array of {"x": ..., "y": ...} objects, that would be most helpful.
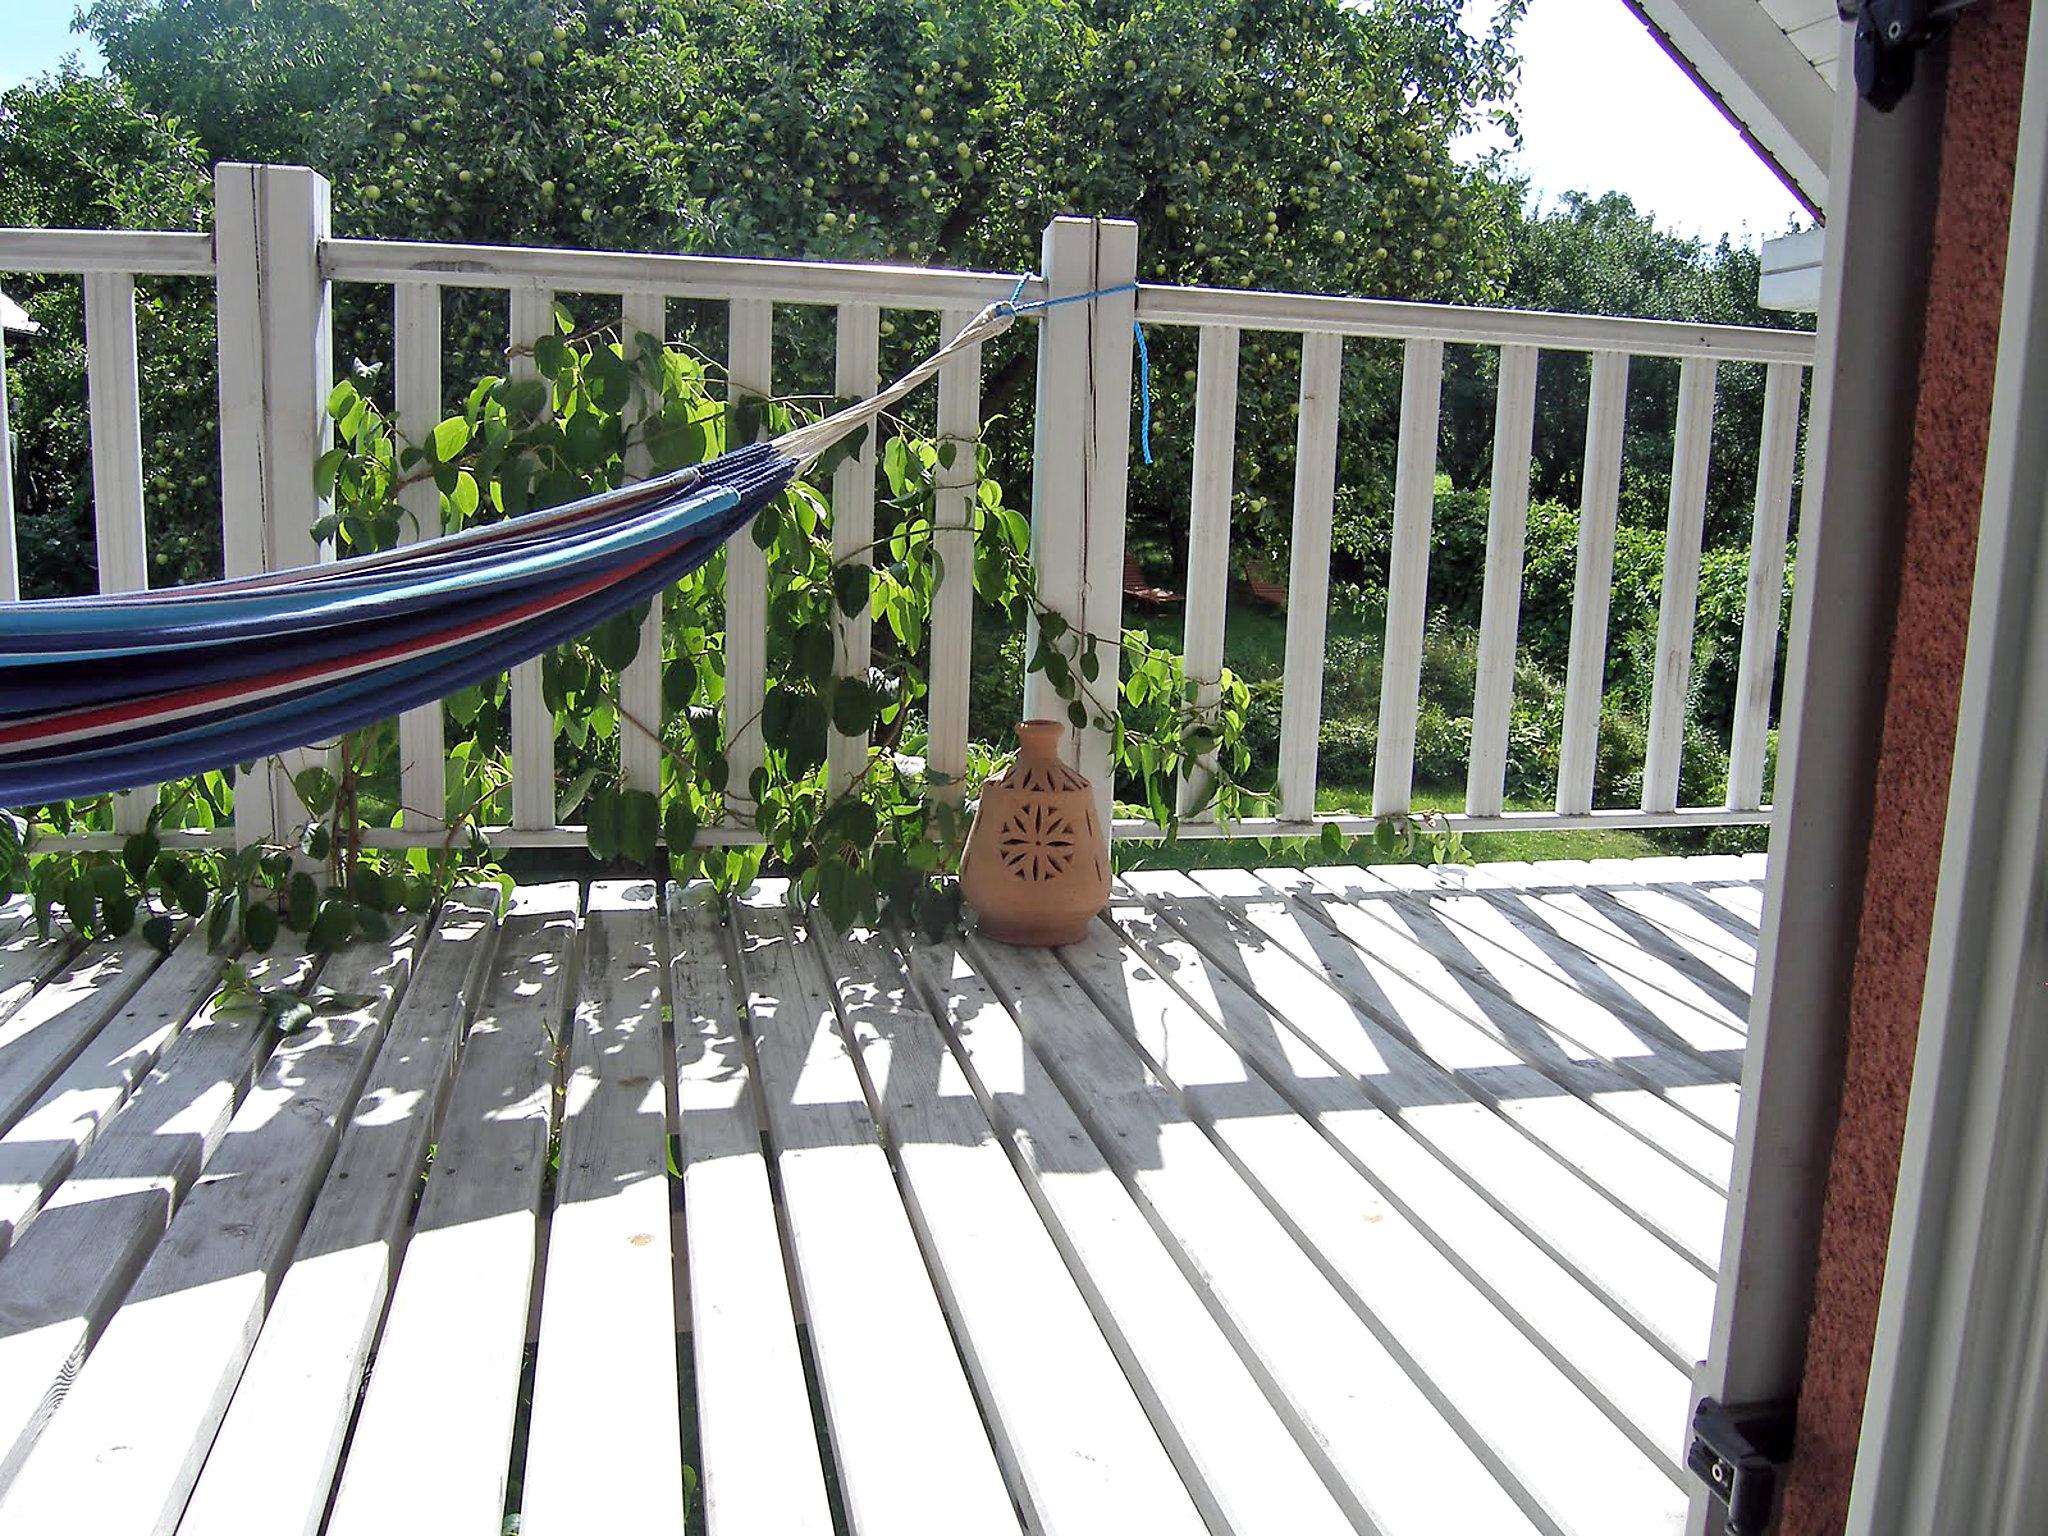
[{"x": 574, "y": 414}]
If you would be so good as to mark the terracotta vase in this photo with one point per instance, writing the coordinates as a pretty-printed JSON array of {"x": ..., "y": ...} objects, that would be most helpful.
[{"x": 1036, "y": 867}]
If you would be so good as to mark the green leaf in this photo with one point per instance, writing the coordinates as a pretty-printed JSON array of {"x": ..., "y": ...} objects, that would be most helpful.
[
  {"x": 158, "y": 932},
  {"x": 222, "y": 919},
  {"x": 333, "y": 924},
  {"x": 139, "y": 853},
  {"x": 679, "y": 827},
  {"x": 285, "y": 1011},
  {"x": 259, "y": 925},
  {"x": 616, "y": 641},
  {"x": 850, "y": 586},
  {"x": 448, "y": 439},
  {"x": 117, "y": 913},
  {"x": 551, "y": 356},
  {"x": 639, "y": 825},
  {"x": 853, "y": 706},
  {"x": 342, "y": 399},
  {"x": 1332, "y": 841},
  {"x": 601, "y": 826},
  {"x": 302, "y": 900},
  {"x": 316, "y": 789},
  {"x": 813, "y": 654}
]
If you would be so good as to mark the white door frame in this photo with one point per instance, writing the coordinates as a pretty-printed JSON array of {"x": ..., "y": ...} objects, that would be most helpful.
[
  {"x": 1852, "y": 518},
  {"x": 1955, "y": 1432}
]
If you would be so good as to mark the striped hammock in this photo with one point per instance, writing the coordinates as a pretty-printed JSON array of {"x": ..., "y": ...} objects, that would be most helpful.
[{"x": 121, "y": 690}]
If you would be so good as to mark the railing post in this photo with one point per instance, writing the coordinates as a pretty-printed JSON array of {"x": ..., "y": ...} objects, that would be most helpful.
[
  {"x": 275, "y": 372},
  {"x": 1080, "y": 461}
]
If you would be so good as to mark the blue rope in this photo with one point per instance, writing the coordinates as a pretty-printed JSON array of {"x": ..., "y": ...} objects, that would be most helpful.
[{"x": 1015, "y": 304}]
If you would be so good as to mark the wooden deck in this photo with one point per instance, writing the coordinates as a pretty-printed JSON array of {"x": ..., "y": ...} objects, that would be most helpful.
[{"x": 1361, "y": 1200}]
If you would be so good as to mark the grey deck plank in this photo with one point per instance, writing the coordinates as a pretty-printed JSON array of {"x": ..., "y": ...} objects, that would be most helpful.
[
  {"x": 46, "y": 1142},
  {"x": 604, "y": 1447},
  {"x": 762, "y": 1469},
  {"x": 27, "y": 961},
  {"x": 121, "y": 1452},
  {"x": 1081, "y": 1455},
  {"x": 1225, "y": 1171},
  {"x": 40, "y": 1037},
  {"x": 309, "y": 1359},
  {"x": 907, "y": 1438},
  {"x": 1248, "y": 1472},
  {"x": 1587, "y": 1040},
  {"x": 1510, "y": 1400},
  {"x": 432, "y": 1444},
  {"x": 60, "y": 1283}
]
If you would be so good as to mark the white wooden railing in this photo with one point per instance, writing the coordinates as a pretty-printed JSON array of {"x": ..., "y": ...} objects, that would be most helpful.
[{"x": 275, "y": 262}]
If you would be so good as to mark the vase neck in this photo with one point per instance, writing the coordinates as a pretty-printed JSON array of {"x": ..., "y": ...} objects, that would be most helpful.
[{"x": 1038, "y": 741}]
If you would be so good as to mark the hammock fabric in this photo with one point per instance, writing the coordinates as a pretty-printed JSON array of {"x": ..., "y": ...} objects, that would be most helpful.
[
  {"x": 121, "y": 690},
  {"x": 117, "y": 691}
]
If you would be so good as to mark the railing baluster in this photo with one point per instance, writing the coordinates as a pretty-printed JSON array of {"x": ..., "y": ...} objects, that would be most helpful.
[
  {"x": 1507, "y": 526},
  {"x": 1422, "y": 379},
  {"x": 416, "y": 356},
  {"x": 750, "y": 368},
  {"x": 1677, "y": 607},
  {"x": 1600, "y": 495},
  {"x": 1209, "y": 527},
  {"x": 114, "y": 402},
  {"x": 1776, "y": 457},
  {"x": 857, "y": 376},
  {"x": 533, "y": 725},
  {"x": 952, "y": 640},
  {"x": 640, "y": 683},
  {"x": 10, "y": 566},
  {"x": 1308, "y": 574}
]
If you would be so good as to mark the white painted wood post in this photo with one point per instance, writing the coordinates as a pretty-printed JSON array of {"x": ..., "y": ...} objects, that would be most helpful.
[
  {"x": 114, "y": 395},
  {"x": 1600, "y": 499},
  {"x": 1422, "y": 381},
  {"x": 750, "y": 370},
  {"x": 1081, "y": 462},
  {"x": 10, "y": 559},
  {"x": 1764, "y": 600},
  {"x": 275, "y": 343},
  {"x": 1678, "y": 605},
  {"x": 533, "y": 724},
  {"x": 1308, "y": 572},
  {"x": 1208, "y": 591},
  {"x": 416, "y": 389},
  {"x": 640, "y": 684},
  {"x": 858, "y": 376},
  {"x": 1507, "y": 526},
  {"x": 952, "y": 637}
]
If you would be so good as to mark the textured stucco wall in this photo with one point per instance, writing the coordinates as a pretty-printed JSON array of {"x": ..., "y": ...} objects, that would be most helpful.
[{"x": 1952, "y": 418}]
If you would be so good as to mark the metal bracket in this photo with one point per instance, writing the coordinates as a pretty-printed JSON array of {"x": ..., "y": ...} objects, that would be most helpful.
[
  {"x": 1888, "y": 34},
  {"x": 1736, "y": 1452}
]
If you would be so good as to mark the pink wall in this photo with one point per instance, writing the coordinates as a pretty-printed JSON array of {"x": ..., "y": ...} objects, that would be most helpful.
[{"x": 1986, "y": 65}]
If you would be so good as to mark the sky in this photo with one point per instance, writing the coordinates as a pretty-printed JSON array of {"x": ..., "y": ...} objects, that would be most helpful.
[{"x": 1602, "y": 108}]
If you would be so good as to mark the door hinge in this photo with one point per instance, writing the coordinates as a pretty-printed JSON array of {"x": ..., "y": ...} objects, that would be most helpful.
[{"x": 1737, "y": 1452}]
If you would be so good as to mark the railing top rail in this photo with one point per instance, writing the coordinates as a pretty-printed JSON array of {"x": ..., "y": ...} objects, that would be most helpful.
[
  {"x": 1397, "y": 320},
  {"x": 152, "y": 252},
  {"x": 709, "y": 277},
  {"x": 165, "y": 252}
]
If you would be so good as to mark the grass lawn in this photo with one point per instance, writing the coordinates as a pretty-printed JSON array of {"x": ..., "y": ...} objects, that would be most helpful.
[{"x": 1480, "y": 847}]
